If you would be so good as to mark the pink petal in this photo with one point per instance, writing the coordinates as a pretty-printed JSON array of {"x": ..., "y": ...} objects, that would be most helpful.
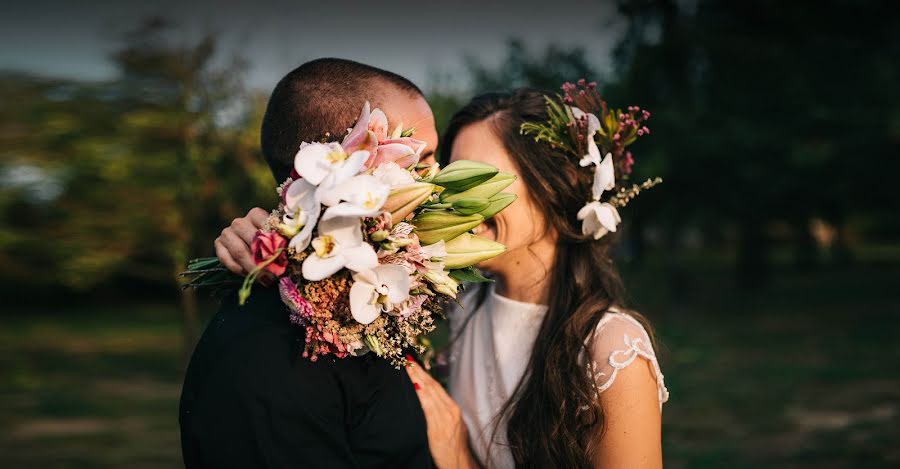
[
  {"x": 378, "y": 123},
  {"x": 417, "y": 145},
  {"x": 398, "y": 153}
]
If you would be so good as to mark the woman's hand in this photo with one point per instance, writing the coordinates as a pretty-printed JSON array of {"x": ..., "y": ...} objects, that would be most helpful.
[
  {"x": 233, "y": 245},
  {"x": 448, "y": 439}
]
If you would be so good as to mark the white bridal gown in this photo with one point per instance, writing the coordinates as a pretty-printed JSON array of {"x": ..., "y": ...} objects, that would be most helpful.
[{"x": 492, "y": 350}]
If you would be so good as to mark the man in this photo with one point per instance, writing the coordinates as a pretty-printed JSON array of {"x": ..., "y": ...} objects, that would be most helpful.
[{"x": 249, "y": 398}]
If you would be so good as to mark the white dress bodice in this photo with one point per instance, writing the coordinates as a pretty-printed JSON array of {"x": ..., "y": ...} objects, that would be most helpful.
[{"x": 492, "y": 349}]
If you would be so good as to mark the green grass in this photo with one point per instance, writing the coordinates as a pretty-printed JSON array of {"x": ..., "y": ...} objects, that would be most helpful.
[{"x": 800, "y": 374}]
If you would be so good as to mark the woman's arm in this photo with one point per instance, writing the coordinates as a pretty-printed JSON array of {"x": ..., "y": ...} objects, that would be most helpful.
[
  {"x": 632, "y": 436},
  {"x": 448, "y": 438}
]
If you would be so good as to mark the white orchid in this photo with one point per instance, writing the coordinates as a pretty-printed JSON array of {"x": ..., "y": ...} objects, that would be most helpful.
[
  {"x": 339, "y": 244},
  {"x": 593, "y": 154},
  {"x": 301, "y": 212},
  {"x": 598, "y": 219},
  {"x": 378, "y": 291},
  {"x": 327, "y": 165},
  {"x": 359, "y": 196},
  {"x": 604, "y": 177}
]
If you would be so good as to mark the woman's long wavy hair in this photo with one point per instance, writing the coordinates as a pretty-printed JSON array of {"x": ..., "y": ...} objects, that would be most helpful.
[{"x": 554, "y": 415}]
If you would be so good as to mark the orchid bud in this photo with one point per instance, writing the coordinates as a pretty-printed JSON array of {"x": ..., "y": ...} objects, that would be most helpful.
[
  {"x": 498, "y": 203},
  {"x": 464, "y": 174},
  {"x": 432, "y": 227},
  {"x": 470, "y": 206},
  {"x": 467, "y": 249},
  {"x": 485, "y": 190},
  {"x": 402, "y": 200}
]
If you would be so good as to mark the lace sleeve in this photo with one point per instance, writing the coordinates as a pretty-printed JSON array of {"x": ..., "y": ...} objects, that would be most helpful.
[{"x": 619, "y": 341}]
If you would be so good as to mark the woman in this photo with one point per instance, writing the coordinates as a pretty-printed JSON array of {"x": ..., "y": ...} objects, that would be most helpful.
[{"x": 546, "y": 368}]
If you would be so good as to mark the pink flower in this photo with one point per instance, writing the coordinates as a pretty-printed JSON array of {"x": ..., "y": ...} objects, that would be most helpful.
[
  {"x": 411, "y": 305},
  {"x": 290, "y": 296},
  {"x": 627, "y": 163},
  {"x": 264, "y": 246}
]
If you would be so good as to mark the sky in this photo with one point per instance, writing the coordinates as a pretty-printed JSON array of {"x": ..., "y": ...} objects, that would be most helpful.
[{"x": 420, "y": 40}]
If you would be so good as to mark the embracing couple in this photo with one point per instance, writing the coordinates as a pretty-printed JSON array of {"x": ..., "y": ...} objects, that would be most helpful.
[{"x": 547, "y": 369}]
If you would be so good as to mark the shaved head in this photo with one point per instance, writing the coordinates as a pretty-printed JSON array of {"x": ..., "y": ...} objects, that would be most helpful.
[{"x": 322, "y": 98}]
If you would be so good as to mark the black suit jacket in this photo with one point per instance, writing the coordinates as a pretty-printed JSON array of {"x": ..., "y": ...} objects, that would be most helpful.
[{"x": 250, "y": 400}]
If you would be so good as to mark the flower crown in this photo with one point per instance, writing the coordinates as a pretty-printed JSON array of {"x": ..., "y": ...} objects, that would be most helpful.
[{"x": 585, "y": 127}]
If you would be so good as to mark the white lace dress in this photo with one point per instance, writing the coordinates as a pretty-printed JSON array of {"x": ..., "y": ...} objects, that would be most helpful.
[{"x": 489, "y": 357}]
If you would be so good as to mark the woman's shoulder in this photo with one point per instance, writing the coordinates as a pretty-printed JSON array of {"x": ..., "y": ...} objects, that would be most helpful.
[{"x": 620, "y": 340}]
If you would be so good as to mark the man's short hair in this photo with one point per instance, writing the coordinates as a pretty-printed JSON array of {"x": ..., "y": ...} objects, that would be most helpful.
[{"x": 319, "y": 98}]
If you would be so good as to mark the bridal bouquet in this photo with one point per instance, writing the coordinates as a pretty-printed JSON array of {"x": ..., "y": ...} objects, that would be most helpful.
[{"x": 367, "y": 243}]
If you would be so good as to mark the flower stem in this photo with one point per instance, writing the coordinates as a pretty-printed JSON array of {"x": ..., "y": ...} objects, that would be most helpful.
[{"x": 250, "y": 279}]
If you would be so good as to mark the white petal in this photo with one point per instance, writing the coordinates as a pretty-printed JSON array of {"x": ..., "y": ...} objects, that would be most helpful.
[
  {"x": 346, "y": 231},
  {"x": 608, "y": 216},
  {"x": 587, "y": 210},
  {"x": 300, "y": 241},
  {"x": 352, "y": 166},
  {"x": 604, "y": 177},
  {"x": 317, "y": 268},
  {"x": 360, "y": 258},
  {"x": 306, "y": 162},
  {"x": 366, "y": 276},
  {"x": 347, "y": 209},
  {"x": 299, "y": 194},
  {"x": 593, "y": 125},
  {"x": 393, "y": 175},
  {"x": 397, "y": 281},
  {"x": 362, "y": 304}
]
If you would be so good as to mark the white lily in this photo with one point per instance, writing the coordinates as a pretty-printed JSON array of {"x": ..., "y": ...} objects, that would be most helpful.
[
  {"x": 359, "y": 196},
  {"x": 301, "y": 212},
  {"x": 327, "y": 164},
  {"x": 393, "y": 175},
  {"x": 593, "y": 154},
  {"x": 378, "y": 291},
  {"x": 598, "y": 219},
  {"x": 339, "y": 244}
]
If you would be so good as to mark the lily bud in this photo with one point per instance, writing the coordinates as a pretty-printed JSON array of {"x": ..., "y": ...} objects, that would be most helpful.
[
  {"x": 486, "y": 189},
  {"x": 432, "y": 227},
  {"x": 402, "y": 200},
  {"x": 498, "y": 203},
  {"x": 464, "y": 174},
  {"x": 467, "y": 249},
  {"x": 470, "y": 206}
]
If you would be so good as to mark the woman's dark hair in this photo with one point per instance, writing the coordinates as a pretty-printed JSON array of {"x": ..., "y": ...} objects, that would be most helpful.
[{"x": 554, "y": 415}]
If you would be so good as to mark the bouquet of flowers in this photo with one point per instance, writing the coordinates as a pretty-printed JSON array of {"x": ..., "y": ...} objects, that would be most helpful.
[
  {"x": 585, "y": 127},
  {"x": 368, "y": 243}
]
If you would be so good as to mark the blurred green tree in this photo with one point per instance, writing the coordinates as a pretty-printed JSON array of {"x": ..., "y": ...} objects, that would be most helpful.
[{"x": 131, "y": 177}]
